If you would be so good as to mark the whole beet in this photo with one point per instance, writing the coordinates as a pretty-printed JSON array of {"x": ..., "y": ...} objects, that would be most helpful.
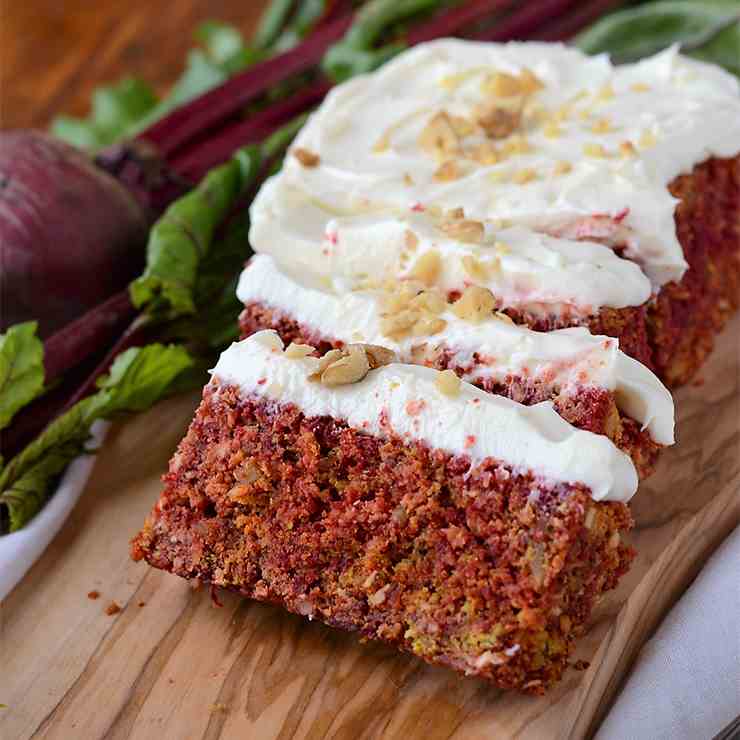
[{"x": 70, "y": 234}]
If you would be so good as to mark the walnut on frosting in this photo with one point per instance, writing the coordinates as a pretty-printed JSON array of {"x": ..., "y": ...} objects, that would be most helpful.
[
  {"x": 410, "y": 308},
  {"x": 306, "y": 157},
  {"x": 351, "y": 364},
  {"x": 475, "y": 304},
  {"x": 464, "y": 230}
]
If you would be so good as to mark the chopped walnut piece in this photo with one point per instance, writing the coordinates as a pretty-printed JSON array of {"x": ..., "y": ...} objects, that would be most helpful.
[
  {"x": 601, "y": 126},
  {"x": 465, "y": 230},
  {"x": 306, "y": 157},
  {"x": 410, "y": 240},
  {"x": 522, "y": 177},
  {"x": 497, "y": 122},
  {"x": 595, "y": 150},
  {"x": 562, "y": 168},
  {"x": 429, "y": 300},
  {"x": 438, "y": 137},
  {"x": 475, "y": 268},
  {"x": 448, "y": 383},
  {"x": 502, "y": 85},
  {"x": 462, "y": 126},
  {"x": 475, "y": 304},
  {"x": 351, "y": 367},
  {"x": 516, "y": 145},
  {"x": 484, "y": 154},
  {"x": 455, "y": 213},
  {"x": 407, "y": 179},
  {"x": 297, "y": 351},
  {"x": 427, "y": 267},
  {"x": 627, "y": 149},
  {"x": 331, "y": 356},
  {"x": 647, "y": 139},
  {"x": 449, "y": 170},
  {"x": 606, "y": 92},
  {"x": 551, "y": 130},
  {"x": 427, "y": 325},
  {"x": 529, "y": 81},
  {"x": 640, "y": 87},
  {"x": 378, "y": 356},
  {"x": 398, "y": 325}
]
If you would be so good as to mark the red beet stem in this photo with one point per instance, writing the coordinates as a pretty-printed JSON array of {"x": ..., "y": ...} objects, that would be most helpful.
[
  {"x": 521, "y": 24},
  {"x": 453, "y": 21},
  {"x": 132, "y": 337},
  {"x": 193, "y": 165},
  {"x": 195, "y": 118},
  {"x": 564, "y": 28},
  {"x": 86, "y": 335}
]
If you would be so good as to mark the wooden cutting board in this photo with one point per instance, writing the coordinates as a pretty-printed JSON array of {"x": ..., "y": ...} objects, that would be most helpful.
[{"x": 171, "y": 664}]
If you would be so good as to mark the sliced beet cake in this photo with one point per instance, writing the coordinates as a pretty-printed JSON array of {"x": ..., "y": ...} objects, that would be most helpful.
[{"x": 399, "y": 503}]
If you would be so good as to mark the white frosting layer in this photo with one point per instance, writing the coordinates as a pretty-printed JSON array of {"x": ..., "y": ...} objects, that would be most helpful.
[
  {"x": 345, "y": 215},
  {"x": 568, "y": 358},
  {"x": 405, "y": 399}
]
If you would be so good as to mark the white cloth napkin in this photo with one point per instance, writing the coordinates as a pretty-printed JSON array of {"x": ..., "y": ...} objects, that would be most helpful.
[
  {"x": 685, "y": 684},
  {"x": 20, "y": 550}
]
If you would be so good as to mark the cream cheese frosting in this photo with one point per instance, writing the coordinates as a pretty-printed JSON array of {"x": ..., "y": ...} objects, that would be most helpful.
[
  {"x": 597, "y": 146},
  {"x": 406, "y": 400},
  {"x": 567, "y": 358}
]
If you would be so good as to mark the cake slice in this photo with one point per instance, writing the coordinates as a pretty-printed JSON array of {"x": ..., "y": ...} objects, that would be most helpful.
[
  {"x": 398, "y": 502},
  {"x": 592, "y": 384}
]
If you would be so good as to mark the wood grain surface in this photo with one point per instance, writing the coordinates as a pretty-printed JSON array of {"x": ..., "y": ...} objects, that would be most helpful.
[{"x": 173, "y": 664}]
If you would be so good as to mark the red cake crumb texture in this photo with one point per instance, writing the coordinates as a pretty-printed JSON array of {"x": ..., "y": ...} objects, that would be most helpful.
[{"x": 487, "y": 571}]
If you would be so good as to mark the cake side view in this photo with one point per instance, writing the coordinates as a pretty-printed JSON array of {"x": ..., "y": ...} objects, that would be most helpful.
[
  {"x": 347, "y": 494},
  {"x": 473, "y": 276}
]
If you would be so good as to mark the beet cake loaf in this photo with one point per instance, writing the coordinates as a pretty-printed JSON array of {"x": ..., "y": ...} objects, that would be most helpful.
[
  {"x": 576, "y": 192},
  {"x": 398, "y": 502},
  {"x": 470, "y": 275}
]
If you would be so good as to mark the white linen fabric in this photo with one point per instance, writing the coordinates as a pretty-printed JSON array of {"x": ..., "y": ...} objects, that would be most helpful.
[
  {"x": 20, "y": 550},
  {"x": 685, "y": 684}
]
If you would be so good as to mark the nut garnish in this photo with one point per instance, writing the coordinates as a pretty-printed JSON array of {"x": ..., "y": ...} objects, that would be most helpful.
[
  {"x": 647, "y": 139},
  {"x": 306, "y": 157},
  {"x": 352, "y": 364},
  {"x": 455, "y": 213},
  {"x": 410, "y": 240},
  {"x": 427, "y": 267},
  {"x": 562, "y": 168},
  {"x": 551, "y": 130},
  {"x": 640, "y": 87},
  {"x": 522, "y": 177},
  {"x": 464, "y": 230},
  {"x": 484, "y": 153},
  {"x": 448, "y": 383},
  {"x": 439, "y": 137},
  {"x": 595, "y": 150},
  {"x": 627, "y": 149},
  {"x": 475, "y": 304},
  {"x": 411, "y": 309},
  {"x": 475, "y": 268},
  {"x": 502, "y": 85},
  {"x": 297, "y": 351},
  {"x": 449, "y": 170},
  {"x": 497, "y": 122},
  {"x": 601, "y": 126},
  {"x": 606, "y": 92}
]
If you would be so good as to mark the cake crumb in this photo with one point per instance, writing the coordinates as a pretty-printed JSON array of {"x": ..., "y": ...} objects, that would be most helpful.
[
  {"x": 93, "y": 595},
  {"x": 112, "y": 609},
  {"x": 219, "y": 708}
]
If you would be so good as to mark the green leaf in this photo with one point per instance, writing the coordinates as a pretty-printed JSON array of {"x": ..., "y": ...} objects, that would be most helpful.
[
  {"x": 183, "y": 237},
  {"x": 21, "y": 369},
  {"x": 271, "y": 23},
  {"x": 137, "y": 379},
  {"x": 115, "y": 109},
  {"x": 634, "y": 33},
  {"x": 126, "y": 108},
  {"x": 356, "y": 53},
  {"x": 723, "y": 49}
]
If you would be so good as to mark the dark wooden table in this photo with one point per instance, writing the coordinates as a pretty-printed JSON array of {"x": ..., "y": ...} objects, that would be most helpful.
[{"x": 54, "y": 52}]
